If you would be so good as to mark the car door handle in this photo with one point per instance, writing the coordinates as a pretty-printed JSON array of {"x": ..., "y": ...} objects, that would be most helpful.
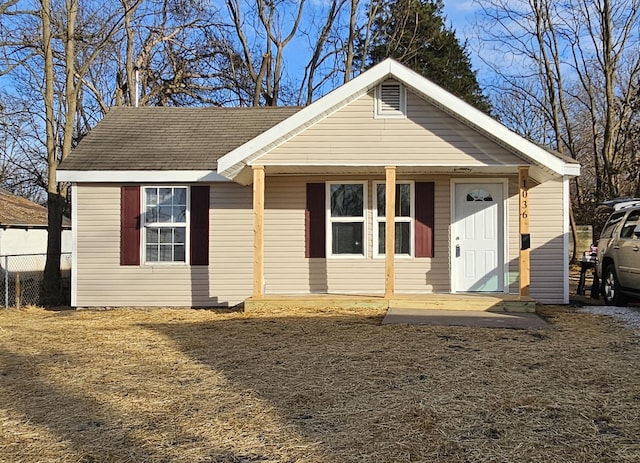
[
  {"x": 635, "y": 248},
  {"x": 616, "y": 247}
]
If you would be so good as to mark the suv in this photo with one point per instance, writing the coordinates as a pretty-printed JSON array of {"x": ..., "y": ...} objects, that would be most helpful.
[{"x": 618, "y": 262}]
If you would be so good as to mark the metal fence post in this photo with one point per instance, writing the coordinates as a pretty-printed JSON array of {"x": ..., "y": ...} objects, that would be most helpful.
[{"x": 6, "y": 282}]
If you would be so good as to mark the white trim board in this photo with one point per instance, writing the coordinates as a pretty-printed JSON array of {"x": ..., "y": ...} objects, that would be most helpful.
[
  {"x": 139, "y": 176},
  {"x": 74, "y": 245}
]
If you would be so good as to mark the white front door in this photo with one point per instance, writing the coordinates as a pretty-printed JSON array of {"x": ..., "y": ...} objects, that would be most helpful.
[{"x": 478, "y": 237}]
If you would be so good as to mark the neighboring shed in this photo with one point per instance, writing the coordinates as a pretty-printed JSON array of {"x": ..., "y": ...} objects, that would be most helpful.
[
  {"x": 23, "y": 230},
  {"x": 387, "y": 186}
]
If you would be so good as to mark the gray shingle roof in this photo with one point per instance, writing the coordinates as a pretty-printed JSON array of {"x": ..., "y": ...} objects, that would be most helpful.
[{"x": 167, "y": 138}]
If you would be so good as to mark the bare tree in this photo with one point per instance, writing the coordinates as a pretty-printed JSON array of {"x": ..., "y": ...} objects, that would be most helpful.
[
  {"x": 351, "y": 40},
  {"x": 265, "y": 63},
  {"x": 576, "y": 64},
  {"x": 322, "y": 52}
]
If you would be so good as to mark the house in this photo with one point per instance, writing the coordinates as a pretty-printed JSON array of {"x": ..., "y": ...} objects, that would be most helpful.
[
  {"x": 388, "y": 185},
  {"x": 23, "y": 229}
]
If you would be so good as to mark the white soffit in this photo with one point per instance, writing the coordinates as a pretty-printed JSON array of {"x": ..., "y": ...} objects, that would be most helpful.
[{"x": 233, "y": 163}]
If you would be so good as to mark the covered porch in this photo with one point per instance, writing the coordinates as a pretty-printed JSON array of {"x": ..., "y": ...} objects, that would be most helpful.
[{"x": 386, "y": 295}]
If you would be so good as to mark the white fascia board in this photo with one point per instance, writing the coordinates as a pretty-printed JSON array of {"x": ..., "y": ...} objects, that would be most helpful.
[
  {"x": 481, "y": 121},
  {"x": 139, "y": 176},
  {"x": 233, "y": 162}
]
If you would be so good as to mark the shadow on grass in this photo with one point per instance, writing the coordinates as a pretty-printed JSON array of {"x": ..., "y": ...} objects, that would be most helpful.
[
  {"x": 76, "y": 420},
  {"x": 373, "y": 393}
]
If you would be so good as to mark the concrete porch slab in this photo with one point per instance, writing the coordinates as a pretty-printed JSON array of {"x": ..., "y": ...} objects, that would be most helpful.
[{"x": 475, "y": 319}]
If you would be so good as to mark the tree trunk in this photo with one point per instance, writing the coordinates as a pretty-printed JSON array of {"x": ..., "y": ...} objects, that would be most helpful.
[
  {"x": 51, "y": 288},
  {"x": 52, "y": 285}
]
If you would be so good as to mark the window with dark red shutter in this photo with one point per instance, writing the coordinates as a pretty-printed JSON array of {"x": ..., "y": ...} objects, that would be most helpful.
[
  {"x": 315, "y": 221},
  {"x": 130, "y": 225}
]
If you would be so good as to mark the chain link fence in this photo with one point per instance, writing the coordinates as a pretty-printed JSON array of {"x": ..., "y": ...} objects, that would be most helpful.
[{"x": 21, "y": 277}]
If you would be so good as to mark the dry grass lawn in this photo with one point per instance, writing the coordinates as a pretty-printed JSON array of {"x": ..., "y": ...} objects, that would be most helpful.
[{"x": 313, "y": 386}]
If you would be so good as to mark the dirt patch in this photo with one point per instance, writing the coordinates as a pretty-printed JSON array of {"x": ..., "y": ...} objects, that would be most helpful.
[{"x": 313, "y": 386}]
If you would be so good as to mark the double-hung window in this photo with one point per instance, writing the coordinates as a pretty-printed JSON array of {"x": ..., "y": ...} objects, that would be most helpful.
[
  {"x": 165, "y": 224},
  {"x": 404, "y": 216},
  {"x": 347, "y": 218}
]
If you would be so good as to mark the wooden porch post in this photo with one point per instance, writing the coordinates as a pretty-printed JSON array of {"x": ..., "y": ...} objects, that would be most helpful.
[
  {"x": 525, "y": 241},
  {"x": 390, "y": 231},
  {"x": 258, "y": 231}
]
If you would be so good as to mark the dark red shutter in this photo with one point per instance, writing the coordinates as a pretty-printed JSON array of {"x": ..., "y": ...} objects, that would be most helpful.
[
  {"x": 199, "y": 236},
  {"x": 130, "y": 225},
  {"x": 315, "y": 221},
  {"x": 425, "y": 219}
]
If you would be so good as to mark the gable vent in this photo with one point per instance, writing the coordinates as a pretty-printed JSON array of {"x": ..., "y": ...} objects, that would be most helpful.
[{"x": 390, "y": 101}]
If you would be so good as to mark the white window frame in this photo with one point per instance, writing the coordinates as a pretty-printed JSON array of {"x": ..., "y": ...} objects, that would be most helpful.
[
  {"x": 331, "y": 220},
  {"x": 377, "y": 219},
  {"x": 145, "y": 224},
  {"x": 380, "y": 113}
]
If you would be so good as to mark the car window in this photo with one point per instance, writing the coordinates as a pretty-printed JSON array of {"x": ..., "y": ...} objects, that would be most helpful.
[
  {"x": 614, "y": 219},
  {"x": 631, "y": 225}
]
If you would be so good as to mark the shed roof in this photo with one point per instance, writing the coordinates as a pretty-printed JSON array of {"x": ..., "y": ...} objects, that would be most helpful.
[
  {"x": 18, "y": 212},
  {"x": 169, "y": 138}
]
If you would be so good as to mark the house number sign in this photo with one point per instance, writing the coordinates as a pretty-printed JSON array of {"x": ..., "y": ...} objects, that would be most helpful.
[{"x": 525, "y": 238}]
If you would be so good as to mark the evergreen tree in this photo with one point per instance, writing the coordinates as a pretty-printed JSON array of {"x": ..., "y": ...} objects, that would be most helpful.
[{"x": 413, "y": 32}]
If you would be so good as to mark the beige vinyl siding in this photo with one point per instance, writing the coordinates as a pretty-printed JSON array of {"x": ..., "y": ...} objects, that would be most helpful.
[
  {"x": 287, "y": 271},
  {"x": 430, "y": 275},
  {"x": 352, "y": 135},
  {"x": 547, "y": 250},
  {"x": 231, "y": 243},
  {"x": 102, "y": 282},
  {"x": 513, "y": 225}
]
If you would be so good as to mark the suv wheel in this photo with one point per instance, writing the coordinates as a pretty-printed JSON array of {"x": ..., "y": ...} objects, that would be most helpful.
[{"x": 611, "y": 287}]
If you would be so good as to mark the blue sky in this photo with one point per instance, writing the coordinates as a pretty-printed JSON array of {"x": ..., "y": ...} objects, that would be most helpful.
[{"x": 460, "y": 15}]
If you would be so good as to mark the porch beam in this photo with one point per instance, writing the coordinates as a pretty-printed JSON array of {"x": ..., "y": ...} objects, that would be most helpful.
[
  {"x": 258, "y": 231},
  {"x": 525, "y": 241},
  {"x": 390, "y": 231}
]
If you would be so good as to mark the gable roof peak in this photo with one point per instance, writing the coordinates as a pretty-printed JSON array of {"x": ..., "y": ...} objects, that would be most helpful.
[{"x": 236, "y": 162}]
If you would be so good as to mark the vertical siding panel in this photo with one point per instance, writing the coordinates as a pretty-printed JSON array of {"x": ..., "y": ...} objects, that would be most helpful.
[{"x": 547, "y": 241}]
